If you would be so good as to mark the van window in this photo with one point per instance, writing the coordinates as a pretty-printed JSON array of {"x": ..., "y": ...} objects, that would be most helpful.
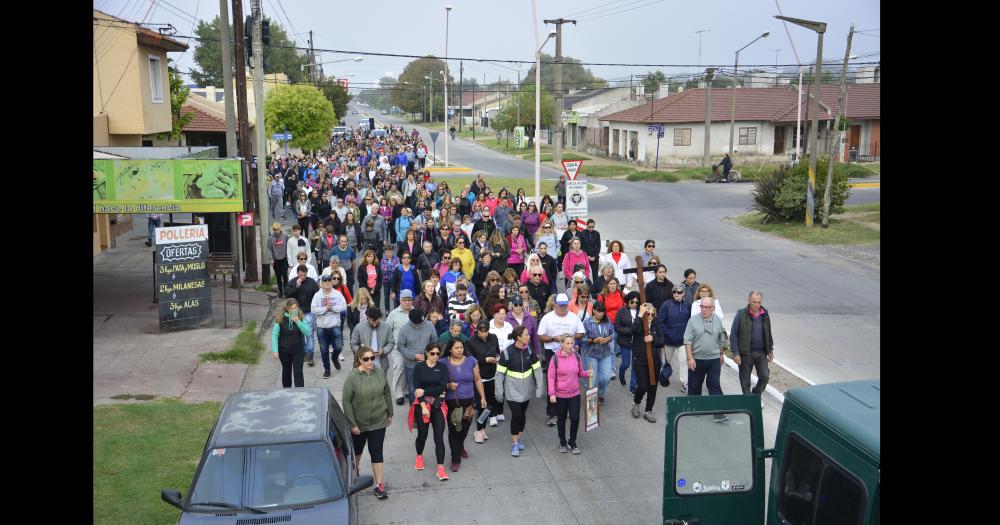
[
  {"x": 816, "y": 491},
  {"x": 713, "y": 456}
]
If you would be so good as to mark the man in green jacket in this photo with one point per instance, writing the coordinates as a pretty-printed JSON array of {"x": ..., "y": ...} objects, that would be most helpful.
[
  {"x": 752, "y": 342},
  {"x": 367, "y": 403}
]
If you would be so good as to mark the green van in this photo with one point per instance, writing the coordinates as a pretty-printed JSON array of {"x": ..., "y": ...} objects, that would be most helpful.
[{"x": 825, "y": 462}]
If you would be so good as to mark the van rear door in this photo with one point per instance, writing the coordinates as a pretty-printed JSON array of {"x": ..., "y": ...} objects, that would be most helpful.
[{"x": 714, "y": 460}]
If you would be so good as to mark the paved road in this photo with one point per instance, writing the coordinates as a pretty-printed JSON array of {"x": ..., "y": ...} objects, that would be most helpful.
[{"x": 825, "y": 307}]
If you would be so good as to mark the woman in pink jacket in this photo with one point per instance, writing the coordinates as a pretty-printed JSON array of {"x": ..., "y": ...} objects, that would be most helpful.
[
  {"x": 573, "y": 257},
  {"x": 565, "y": 369},
  {"x": 518, "y": 249}
]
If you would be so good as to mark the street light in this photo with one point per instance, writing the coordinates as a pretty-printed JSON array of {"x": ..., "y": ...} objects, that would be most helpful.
[
  {"x": 538, "y": 117},
  {"x": 819, "y": 28},
  {"x": 732, "y": 116},
  {"x": 447, "y": 14},
  {"x": 431, "y": 98},
  {"x": 355, "y": 59}
]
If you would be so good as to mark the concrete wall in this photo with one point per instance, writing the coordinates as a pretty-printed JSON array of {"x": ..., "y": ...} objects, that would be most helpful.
[
  {"x": 690, "y": 155},
  {"x": 101, "y": 137}
]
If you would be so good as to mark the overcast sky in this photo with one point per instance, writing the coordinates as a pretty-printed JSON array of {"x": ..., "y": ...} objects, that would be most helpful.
[{"x": 607, "y": 31}]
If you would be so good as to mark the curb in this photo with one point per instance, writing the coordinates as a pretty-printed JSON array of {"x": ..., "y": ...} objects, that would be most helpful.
[
  {"x": 866, "y": 185},
  {"x": 775, "y": 395}
]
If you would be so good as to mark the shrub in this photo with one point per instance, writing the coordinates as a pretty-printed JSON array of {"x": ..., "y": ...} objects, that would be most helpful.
[
  {"x": 781, "y": 195},
  {"x": 766, "y": 189}
]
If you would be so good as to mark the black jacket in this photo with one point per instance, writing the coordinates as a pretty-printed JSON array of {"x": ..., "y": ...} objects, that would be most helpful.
[
  {"x": 539, "y": 293},
  {"x": 657, "y": 293},
  {"x": 639, "y": 346},
  {"x": 302, "y": 293},
  {"x": 590, "y": 243},
  {"x": 362, "y": 279},
  {"x": 480, "y": 349},
  {"x": 625, "y": 328},
  {"x": 551, "y": 268}
]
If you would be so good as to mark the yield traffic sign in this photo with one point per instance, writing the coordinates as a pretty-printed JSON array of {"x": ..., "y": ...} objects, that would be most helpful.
[{"x": 572, "y": 168}]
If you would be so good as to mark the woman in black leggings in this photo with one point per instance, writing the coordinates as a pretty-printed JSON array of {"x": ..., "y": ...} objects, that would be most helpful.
[
  {"x": 367, "y": 403},
  {"x": 642, "y": 366},
  {"x": 430, "y": 379},
  {"x": 519, "y": 373}
]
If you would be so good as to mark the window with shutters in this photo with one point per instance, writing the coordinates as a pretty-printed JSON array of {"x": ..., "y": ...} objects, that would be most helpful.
[
  {"x": 682, "y": 137},
  {"x": 748, "y": 136}
]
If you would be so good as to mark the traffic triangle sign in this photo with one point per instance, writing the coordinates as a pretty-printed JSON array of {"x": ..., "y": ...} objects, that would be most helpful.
[{"x": 572, "y": 168}]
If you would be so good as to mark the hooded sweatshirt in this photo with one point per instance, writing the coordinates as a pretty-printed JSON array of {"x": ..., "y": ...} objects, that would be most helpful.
[
  {"x": 367, "y": 400},
  {"x": 564, "y": 374}
]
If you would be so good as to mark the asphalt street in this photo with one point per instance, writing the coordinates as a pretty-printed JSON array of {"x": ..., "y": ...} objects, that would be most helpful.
[{"x": 825, "y": 307}]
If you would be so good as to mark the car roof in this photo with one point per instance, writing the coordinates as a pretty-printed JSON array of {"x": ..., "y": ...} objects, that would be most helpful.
[
  {"x": 273, "y": 416},
  {"x": 853, "y": 408}
]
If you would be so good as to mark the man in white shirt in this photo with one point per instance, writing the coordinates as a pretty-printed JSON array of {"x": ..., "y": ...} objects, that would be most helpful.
[
  {"x": 327, "y": 305},
  {"x": 553, "y": 324}
]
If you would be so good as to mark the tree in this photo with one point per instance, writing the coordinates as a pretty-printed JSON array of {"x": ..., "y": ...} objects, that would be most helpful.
[
  {"x": 653, "y": 80},
  {"x": 409, "y": 95},
  {"x": 574, "y": 75},
  {"x": 506, "y": 118},
  {"x": 208, "y": 55},
  {"x": 178, "y": 94},
  {"x": 337, "y": 96},
  {"x": 304, "y": 111}
]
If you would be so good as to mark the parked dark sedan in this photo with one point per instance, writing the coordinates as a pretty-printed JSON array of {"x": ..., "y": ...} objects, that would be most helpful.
[{"x": 284, "y": 455}]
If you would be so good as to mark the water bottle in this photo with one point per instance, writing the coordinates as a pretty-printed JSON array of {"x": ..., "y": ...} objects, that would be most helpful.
[{"x": 483, "y": 416}]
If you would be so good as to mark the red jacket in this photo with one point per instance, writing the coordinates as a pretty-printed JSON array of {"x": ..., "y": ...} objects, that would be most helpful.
[{"x": 612, "y": 303}]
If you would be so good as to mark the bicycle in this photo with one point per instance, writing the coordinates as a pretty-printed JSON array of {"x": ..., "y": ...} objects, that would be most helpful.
[{"x": 716, "y": 175}]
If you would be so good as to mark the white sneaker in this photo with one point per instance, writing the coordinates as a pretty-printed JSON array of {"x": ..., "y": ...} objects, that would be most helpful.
[
  {"x": 341, "y": 358},
  {"x": 493, "y": 421},
  {"x": 499, "y": 418}
]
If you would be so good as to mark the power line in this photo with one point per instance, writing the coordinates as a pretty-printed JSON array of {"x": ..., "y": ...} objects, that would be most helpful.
[
  {"x": 578, "y": 13},
  {"x": 620, "y": 12},
  {"x": 507, "y": 61}
]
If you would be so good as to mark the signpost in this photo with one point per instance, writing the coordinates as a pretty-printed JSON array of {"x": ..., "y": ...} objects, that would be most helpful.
[
  {"x": 519, "y": 137},
  {"x": 245, "y": 219},
  {"x": 285, "y": 137},
  {"x": 572, "y": 168},
  {"x": 225, "y": 263},
  {"x": 344, "y": 83},
  {"x": 658, "y": 128},
  {"x": 183, "y": 290},
  {"x": 576, "y": 198},
  {"x": 434, "y": 139}
]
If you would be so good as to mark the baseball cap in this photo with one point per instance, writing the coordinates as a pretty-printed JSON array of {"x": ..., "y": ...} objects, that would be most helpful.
[
  {"x": 406, "y": 294},
  {"x": 562, "y": 299},
  {"x": 327, "y": 277},
  {"x": 483, "y": 325},
  {"x": 517, "y": 300}
]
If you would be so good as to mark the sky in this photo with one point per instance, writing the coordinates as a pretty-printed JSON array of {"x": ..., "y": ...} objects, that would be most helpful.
[{"x": 607, "y": 31}]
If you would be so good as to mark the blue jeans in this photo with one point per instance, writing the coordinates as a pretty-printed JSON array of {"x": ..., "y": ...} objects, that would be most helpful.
[
  {"x": 408, "y": 372},
  {"x": 386, "y": 293},
  {"x": 311, "y": 319},
  {"x": 626, "y": 360},
  {"x": 705, "y": 369},
  {"x": 604, "y": 367},
  {"x": 152, "y": 223},
  {"x": 333, "y": 336}
]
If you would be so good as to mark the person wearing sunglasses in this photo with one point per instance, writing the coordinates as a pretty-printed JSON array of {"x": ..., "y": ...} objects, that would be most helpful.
[
  {"x": 673, "y": 318},
  {"x": 462, "y": 253},
  {"x": 367, "y": 403},
  {"x": 430, "y": 381}
]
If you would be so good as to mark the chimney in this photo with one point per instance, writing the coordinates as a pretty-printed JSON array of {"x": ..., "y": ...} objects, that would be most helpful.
[
  {"x": 680, "y": 89},
  {"x": 663, "y": 91}
]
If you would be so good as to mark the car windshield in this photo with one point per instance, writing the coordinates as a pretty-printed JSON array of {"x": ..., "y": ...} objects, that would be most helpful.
[{"x": 268, "y": 476}]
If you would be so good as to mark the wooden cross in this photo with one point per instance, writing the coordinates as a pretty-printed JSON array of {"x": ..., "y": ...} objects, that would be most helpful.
[{"x": 638, "y": 270}]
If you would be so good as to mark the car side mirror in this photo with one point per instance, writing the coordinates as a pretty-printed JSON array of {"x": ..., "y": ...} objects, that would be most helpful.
[
  {"x": 172, "y": 497},
  {"x": 362, "y": 483}
]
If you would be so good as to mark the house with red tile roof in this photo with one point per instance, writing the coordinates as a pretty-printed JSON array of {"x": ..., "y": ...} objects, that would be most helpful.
[{"x": 765, "y": 126}]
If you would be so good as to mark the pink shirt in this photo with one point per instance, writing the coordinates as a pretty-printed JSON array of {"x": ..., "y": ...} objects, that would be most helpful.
[{"x": 565, "y": 383}]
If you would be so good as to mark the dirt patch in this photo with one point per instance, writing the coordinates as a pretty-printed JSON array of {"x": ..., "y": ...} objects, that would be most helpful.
[
  {"x": 782, "y": 379},
  {"x": 137, "y": 397}
]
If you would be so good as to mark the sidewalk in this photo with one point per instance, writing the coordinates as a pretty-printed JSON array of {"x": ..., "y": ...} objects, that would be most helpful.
[{"x": 132, "y": 357}]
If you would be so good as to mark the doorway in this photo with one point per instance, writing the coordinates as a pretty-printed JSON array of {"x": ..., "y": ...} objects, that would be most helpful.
[{"x": 779, "y": 140}]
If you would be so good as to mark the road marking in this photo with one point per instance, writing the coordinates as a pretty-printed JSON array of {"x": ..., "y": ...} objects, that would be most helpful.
[
  {"x": 450, "y": 168},
  {"x": 866, "y": 185}
]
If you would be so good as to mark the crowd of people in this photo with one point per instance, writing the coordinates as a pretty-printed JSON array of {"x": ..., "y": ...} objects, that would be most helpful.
[{"x": 466, "y": 303}]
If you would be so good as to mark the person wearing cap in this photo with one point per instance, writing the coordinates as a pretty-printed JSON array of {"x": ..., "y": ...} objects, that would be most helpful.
[
  {"x": 396, "y": 319},
  {"x": 277, "y": 245},
  {"x": 519, "y": 375},
  {"x": 327, "y": 306},
  {"x": 519, "y": 315},
  {"x": 673, "y": 318},
  {"x": 553, "y": 324},
  {"x": 411, "y": 339}
]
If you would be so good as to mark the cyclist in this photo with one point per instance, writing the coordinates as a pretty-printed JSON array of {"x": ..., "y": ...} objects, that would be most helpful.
[
  {"x": 452, "y": 131},
  {"x": 727, "y": 164}
]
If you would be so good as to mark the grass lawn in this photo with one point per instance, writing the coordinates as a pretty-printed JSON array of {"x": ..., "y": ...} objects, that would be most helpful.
[
  {"x": 857, "y": 225},
  {"x": 142, "y": 448},
  {"x": 246, "y": 348}
]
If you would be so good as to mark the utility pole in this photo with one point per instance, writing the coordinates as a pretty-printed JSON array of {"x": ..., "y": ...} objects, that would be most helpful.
[
  {"x": 813, "y": 130},
  {"x": 258, "y": 96},
  {"x": 225, "y": 41},
  {"x": 312, "y": 59},
  {"x": 835, "y": 144},
  {"x": 460, "y": 96},
  {"x": 557, "y": 153},
  {"x": 699, "y": 32},
  {"x": 249, "y": 244},
  {"x": 430, "y": 89},
  {"x": 709, "y": 72}
]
